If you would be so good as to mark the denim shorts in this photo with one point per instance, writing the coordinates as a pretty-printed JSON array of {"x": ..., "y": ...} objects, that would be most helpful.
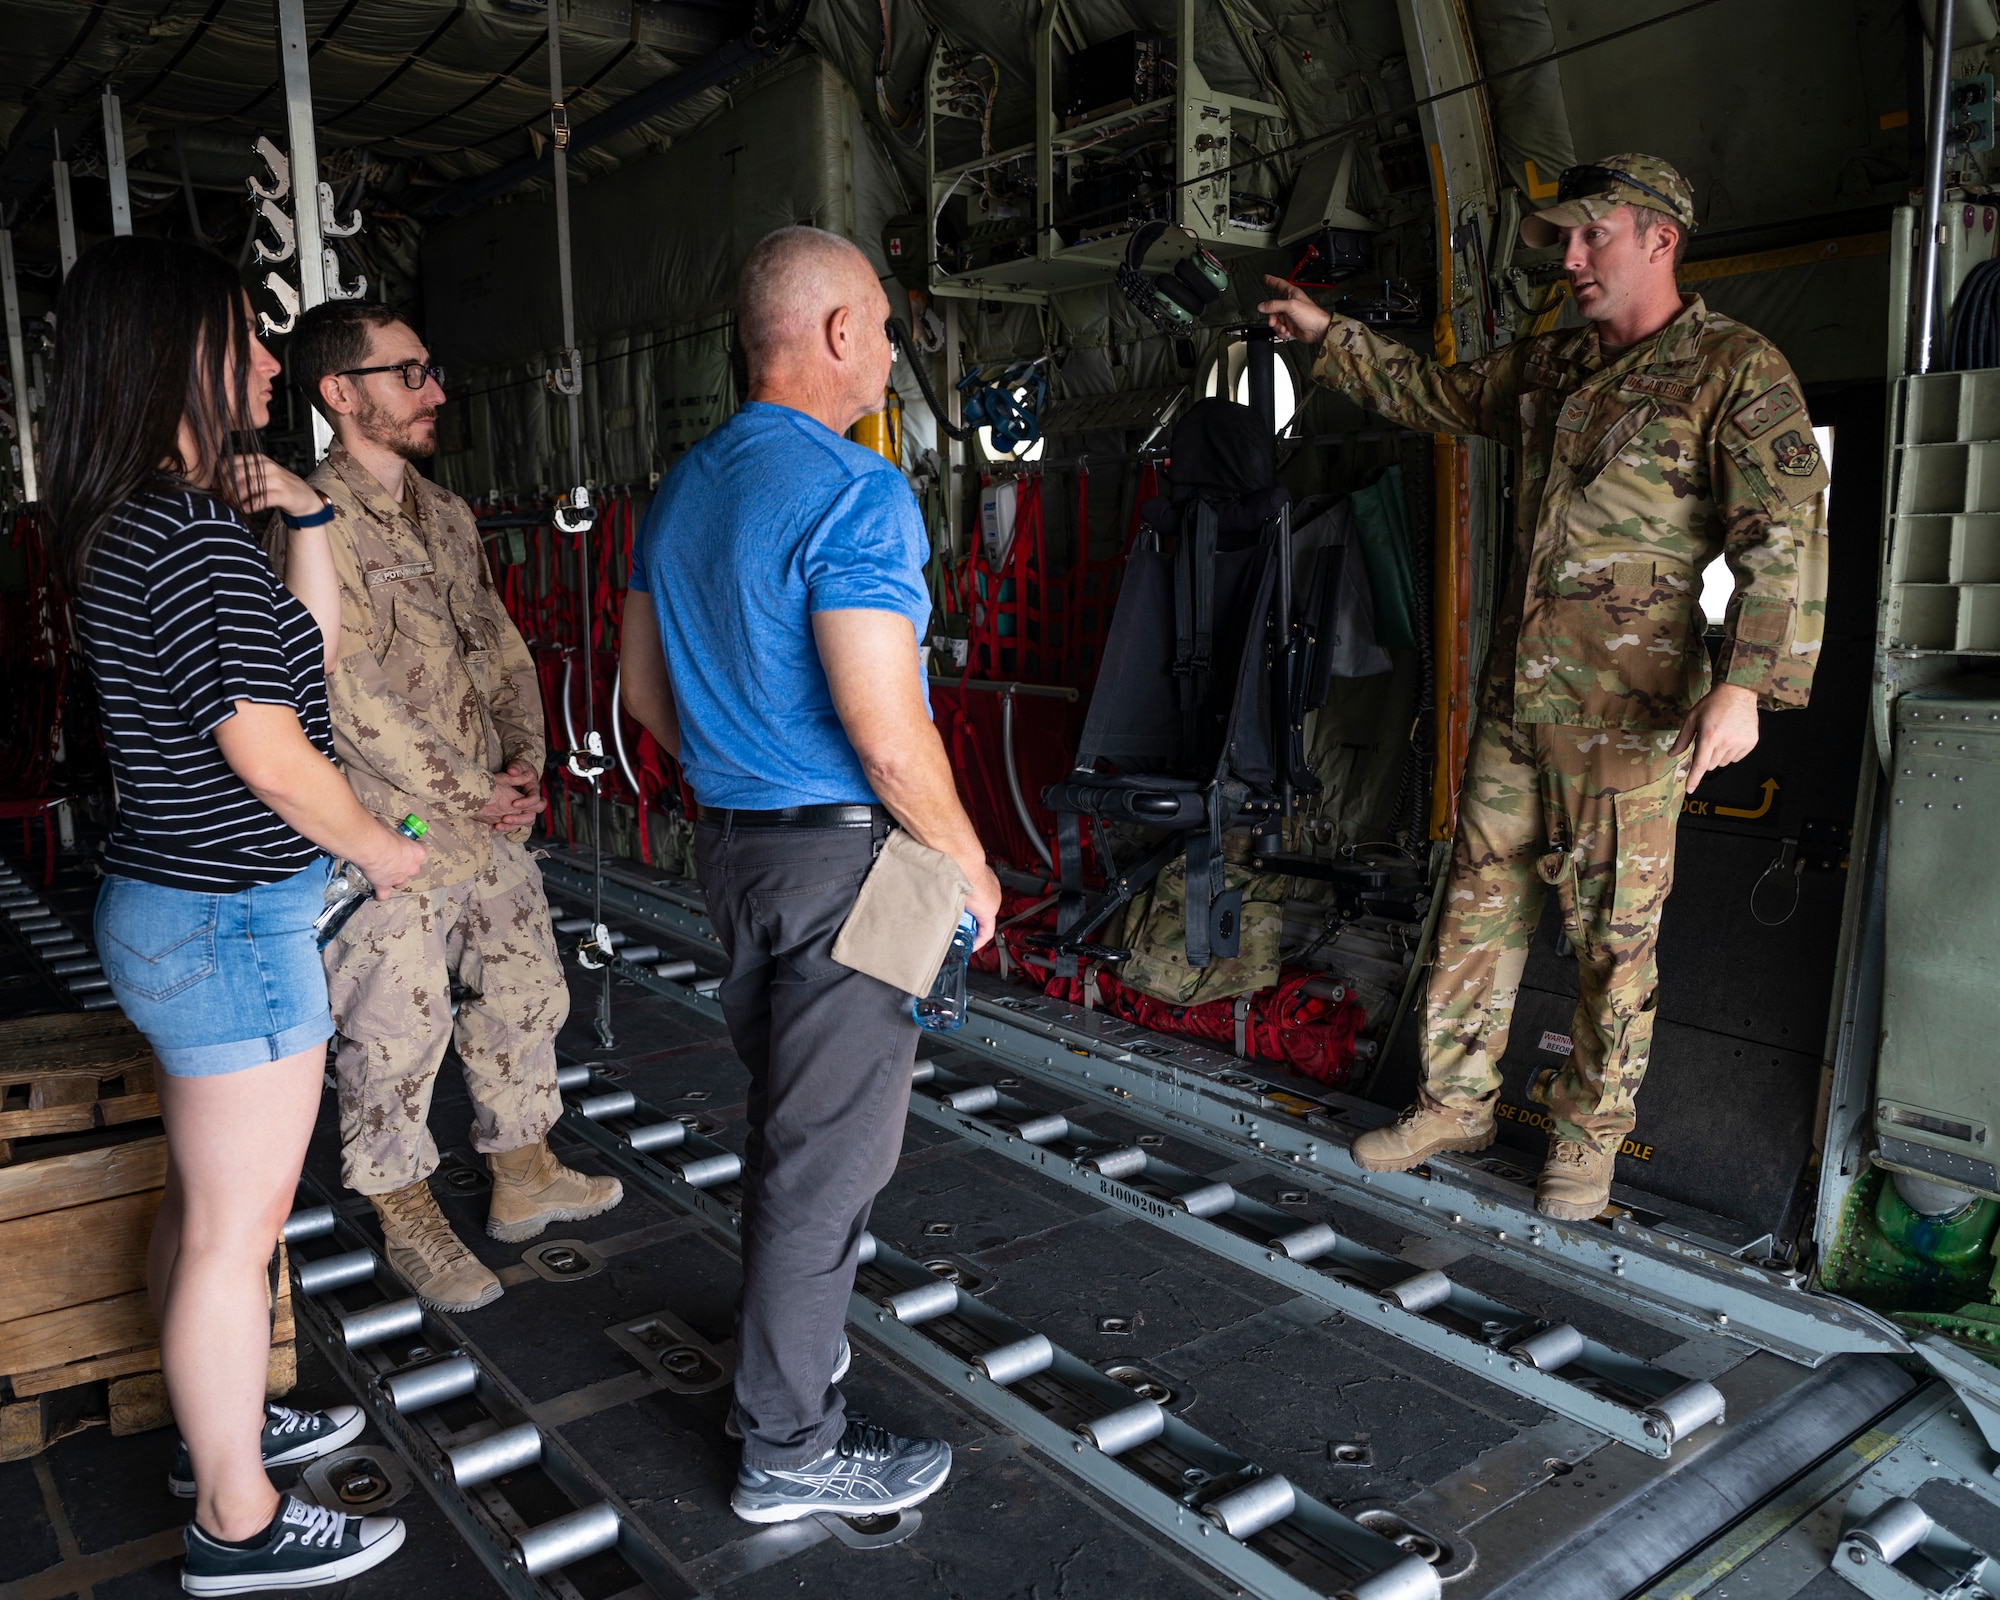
[{"x": 217, "y": 982}]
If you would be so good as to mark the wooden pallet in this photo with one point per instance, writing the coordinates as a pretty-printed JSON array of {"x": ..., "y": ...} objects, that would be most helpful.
[
  {"x": 70, "y": 1073},
  {"x": 78, "y": 1343}
]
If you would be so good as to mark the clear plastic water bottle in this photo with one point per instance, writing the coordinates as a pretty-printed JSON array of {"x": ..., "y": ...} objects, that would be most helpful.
[{"x": 943, "y": 1009}]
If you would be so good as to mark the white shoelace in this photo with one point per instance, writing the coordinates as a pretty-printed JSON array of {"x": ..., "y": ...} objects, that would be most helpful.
[
  {"x": 315, "y": 1524},
  {"x": 284, "y": 1420}
]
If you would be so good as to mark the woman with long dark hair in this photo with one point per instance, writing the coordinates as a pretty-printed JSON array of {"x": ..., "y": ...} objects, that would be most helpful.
[{"x": 210, "y": 675}]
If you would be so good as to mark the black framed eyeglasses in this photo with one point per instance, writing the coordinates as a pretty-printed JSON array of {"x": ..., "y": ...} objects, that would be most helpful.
[
  {"x": 1578, "y": 183},
  {"x": 415, "y": 373}
]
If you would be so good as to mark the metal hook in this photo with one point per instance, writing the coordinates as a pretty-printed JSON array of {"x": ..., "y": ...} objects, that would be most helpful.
[
  {"x": 281, "y": 224},
  {"x": 330, "y": 276},
  {"x": 288, "y": 300},
  {"x": 566, "y": 376},
  {"x": 329, "y": 226},
  {"x": 281, "y": 171}
]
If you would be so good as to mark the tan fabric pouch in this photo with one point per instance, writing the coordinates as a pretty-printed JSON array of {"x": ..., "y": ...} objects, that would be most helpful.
[{"x": 902, "y": 922}]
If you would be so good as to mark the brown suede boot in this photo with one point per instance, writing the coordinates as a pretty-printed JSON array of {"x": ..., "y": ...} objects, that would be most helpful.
[
  {"x": 1576, "y": 1184},
  {"x": 421, "y": 1246},
  {"x": 531, "y": 1189},
  {"x": 1424, "y": 1131}
]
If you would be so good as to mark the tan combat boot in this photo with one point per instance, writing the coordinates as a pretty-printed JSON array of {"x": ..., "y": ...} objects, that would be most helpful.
[
  {"x": 531, "y": 1189},
  {"x": 1575, "y": 1185},
  {"x": 421, "y": 1246},
  {"x": 1424, "y": 1131}
]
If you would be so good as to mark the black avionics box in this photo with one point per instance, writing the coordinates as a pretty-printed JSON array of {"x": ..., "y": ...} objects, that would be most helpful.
[{"x": 1130, "y": 70}]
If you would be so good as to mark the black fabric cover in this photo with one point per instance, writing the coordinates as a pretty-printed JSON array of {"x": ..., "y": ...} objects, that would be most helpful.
[{"x": 1222, "y": 451}]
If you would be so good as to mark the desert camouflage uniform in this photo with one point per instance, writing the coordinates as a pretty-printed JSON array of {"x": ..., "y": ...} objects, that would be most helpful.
[
  {"x": 1631, "y": 474},
  {"x": 434, "y": 692}
]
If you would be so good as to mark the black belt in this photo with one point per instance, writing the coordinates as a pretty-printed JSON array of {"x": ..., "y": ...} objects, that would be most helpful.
[{"x": 831, "y": 816}]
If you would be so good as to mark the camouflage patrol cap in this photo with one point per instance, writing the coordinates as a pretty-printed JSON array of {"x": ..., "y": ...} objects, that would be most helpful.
[{"x": 1586, "y": 194}]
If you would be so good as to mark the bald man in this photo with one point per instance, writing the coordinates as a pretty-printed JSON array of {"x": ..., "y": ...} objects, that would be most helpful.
[{"x": 770, "y": 642}]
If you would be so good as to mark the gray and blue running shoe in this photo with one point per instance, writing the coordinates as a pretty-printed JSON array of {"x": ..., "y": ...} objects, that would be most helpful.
[{"x": 870, "y": 1473}]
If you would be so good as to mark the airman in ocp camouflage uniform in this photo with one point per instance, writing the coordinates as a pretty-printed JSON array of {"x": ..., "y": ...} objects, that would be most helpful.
[
  {"x": 435, "y": 707},
  {"x": 1634, "y": 469}
]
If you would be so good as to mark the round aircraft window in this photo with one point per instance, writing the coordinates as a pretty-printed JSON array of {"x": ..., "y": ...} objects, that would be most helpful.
[{"x": 1234, "y": 362}]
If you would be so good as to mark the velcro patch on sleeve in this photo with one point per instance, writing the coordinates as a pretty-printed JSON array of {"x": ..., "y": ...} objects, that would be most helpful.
[
  {"x": 1777, "y": 404},
  {"x": 1763, "y": 622},
  {"x": 1633, "y": 574},
  {"x": 1679, "y": 390}
]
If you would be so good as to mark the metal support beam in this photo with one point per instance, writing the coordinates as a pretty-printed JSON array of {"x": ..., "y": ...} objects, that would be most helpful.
[
  {"x": 17, "y": 368},
  {"x": 114, "y": 165},
  {"x": 295, "y": 61},
  {"x": 65, "y": 210},
  {"x": 1939, "y": 129}
]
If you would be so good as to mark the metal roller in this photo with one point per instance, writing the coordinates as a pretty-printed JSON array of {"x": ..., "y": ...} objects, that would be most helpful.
[
  {"x": 568, "y": 1078},
  {"x": 1210, "y": 1200},
  {"x": 676, "y": 971},
  {"x": 86, "y": 983},
  {"x": 639, "y": 954},
  {"x": 72, "y": 966},
  {"x": 865, "y": 1252},
  {"x": 575, "y": 925},
  {"x": 1127, "y": 1162},
  {"x": 618, "y": 1103},
  {"x": 1689, "y": 1407},
  {"x": 1254, "y": 1507},
  {"x": 923, "y": 1071},
  {"x": 1129, "y": 1426},
  {"x": 390, "y": 1320},
  {"x": 105, "y": 1001},
  {"x": 44, "y": 930},
  {"x": 658, "y": 1136},
  {"x": 1412, "y": 1578},
  {"x": 705, "y": 1172},
  {"x": 568, "y": 1539},
  {"x": 922, "y": 1303},
  {"x": 420, "y": 1388},
  {"x": 1042, "y": 1130},
  {"x": 496, "y": 1455},
  {"x": 335, "y": 1272},
  {"x": 1893, "y": 1530},
  {"x": 70, "y": 949},
  {"x": 1550, "y": 1349},
  {"x": 1421, "y": 1293},
  {"x": 1307, "y": 1244},
  {"x": 315, "y": 1222},
  {"x": 982, "y": 1097},
  {"x": 1009, "y": 1363}
]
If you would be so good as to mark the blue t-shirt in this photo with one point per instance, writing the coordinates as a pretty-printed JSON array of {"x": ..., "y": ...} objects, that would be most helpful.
[{"x": 770, "y": 518}]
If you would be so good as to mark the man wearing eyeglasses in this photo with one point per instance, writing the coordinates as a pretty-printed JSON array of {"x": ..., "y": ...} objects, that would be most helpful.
[
  {"x": 436, "y": 710},
  {"x": 1646, "y": 443}
]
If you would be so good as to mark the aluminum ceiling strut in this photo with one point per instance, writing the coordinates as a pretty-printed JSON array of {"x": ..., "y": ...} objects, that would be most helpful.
[
  {"x": 1253, "y": 1526},
  {"x": 541, "y": 1522},
  {"x": 1651, "y": 1271},
  {"x": 1631, "y": 1400}
]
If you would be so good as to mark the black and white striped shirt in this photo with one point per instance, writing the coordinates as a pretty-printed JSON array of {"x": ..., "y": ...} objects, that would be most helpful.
[{"x": 179, "y": 617}]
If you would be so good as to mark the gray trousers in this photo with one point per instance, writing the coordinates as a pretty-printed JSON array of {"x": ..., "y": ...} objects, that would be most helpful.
[{"x": 829, "y": 1052}]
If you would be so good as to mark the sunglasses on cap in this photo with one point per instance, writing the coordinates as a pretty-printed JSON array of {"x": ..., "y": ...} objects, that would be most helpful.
[{"x": 1579, "y": 183}]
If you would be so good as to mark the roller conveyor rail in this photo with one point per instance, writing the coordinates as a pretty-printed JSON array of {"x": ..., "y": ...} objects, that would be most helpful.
[
  {"x": 1631, "y": 1400},
  {"x": 64, "y": 959},
  {"x": 1254, "y": 1527},
  {"x": 552, "y": 1530},
  {"x": 1218, "y": 1101}
]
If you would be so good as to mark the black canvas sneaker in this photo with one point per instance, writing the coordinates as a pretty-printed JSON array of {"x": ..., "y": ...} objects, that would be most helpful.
[
  {"x": 869, "y": 1473},
  {"x": 841, "y": 1363},
  {"x": 306, "y": 1547},
  {"x": 289, "y": 1438}
]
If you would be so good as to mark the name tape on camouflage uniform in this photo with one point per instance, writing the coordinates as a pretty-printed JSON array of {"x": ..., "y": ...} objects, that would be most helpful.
[
  {"x": 412, "y": 569},
  {"x": 1681, "y": 389},
  {"x": 1770, "y": 408}
]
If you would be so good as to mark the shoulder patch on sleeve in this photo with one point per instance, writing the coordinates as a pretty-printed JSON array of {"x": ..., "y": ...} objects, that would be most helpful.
[{"x": 1777, "y": 404}]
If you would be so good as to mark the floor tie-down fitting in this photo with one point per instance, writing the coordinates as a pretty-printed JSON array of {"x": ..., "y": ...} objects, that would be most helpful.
[
  {"x": 1632, "y": 1400},
  {"x": 1254, "y": 1526},
  {"x": 463, "y": 1428}
]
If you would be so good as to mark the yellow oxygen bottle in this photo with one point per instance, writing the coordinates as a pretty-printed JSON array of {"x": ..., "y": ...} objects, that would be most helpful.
[{"x": 882, "y": 431}]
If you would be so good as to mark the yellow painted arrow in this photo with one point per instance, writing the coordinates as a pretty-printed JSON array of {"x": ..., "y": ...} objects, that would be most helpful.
[{"x": 1770, "y": 792}]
